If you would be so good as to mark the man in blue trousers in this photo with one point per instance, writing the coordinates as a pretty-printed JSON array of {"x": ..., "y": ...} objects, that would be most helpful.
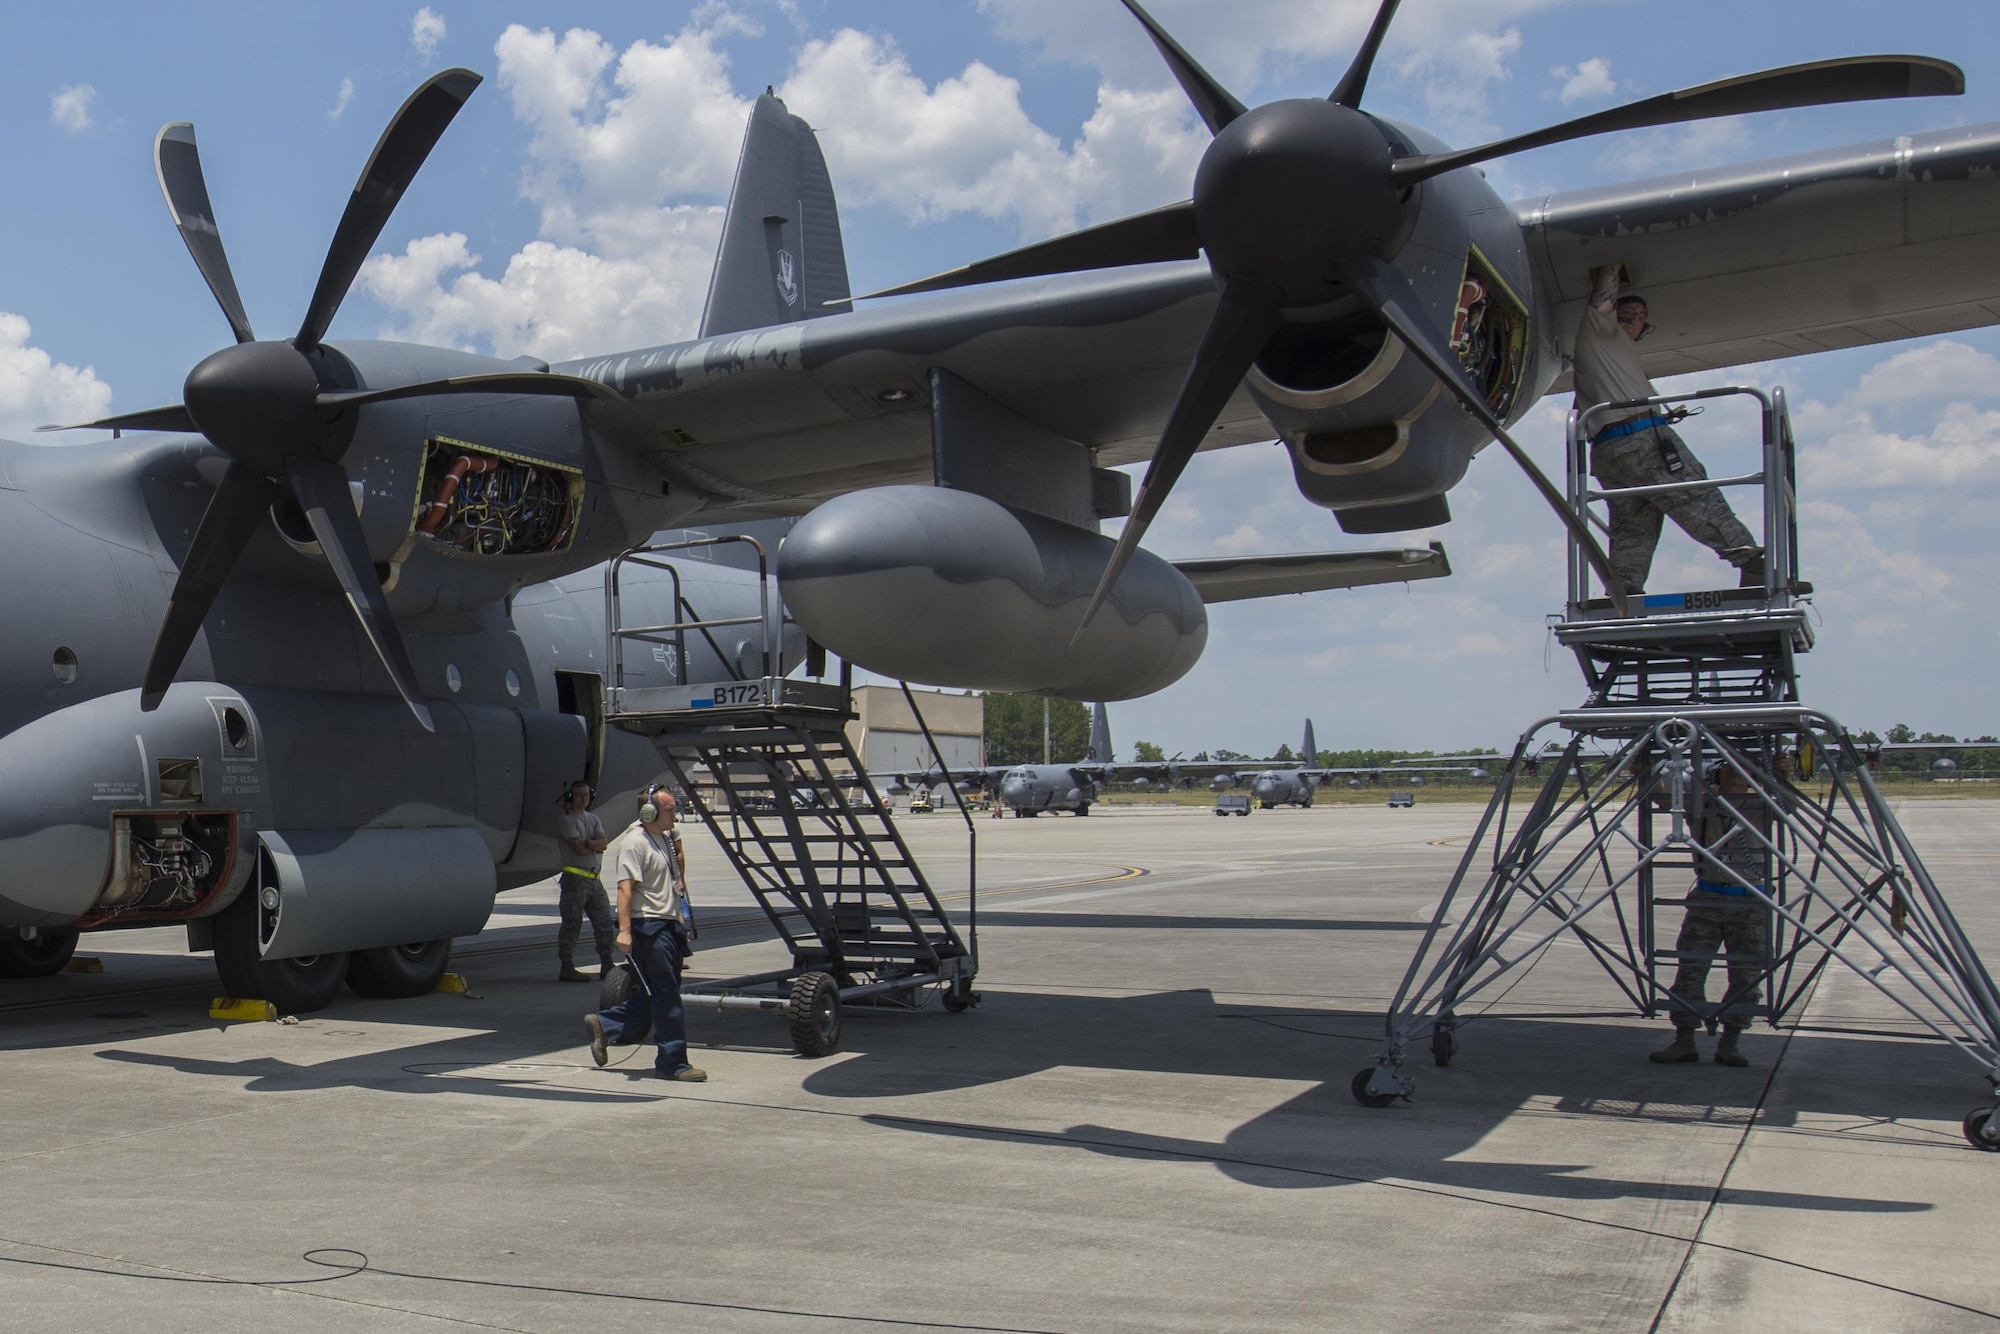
[{"x": 653, "y": 932}]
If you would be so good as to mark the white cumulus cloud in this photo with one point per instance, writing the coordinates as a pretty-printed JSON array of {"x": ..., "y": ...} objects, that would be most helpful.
[
  {"x": 1590, "y": 81},
  {"x": 427, "y": 31},
  {"x": 71, "y": 107},
  {"x": 341, "y": 99},
  {"x": 36, "y": 389}
]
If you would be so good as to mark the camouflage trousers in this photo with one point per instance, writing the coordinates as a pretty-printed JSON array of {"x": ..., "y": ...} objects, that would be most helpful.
[
  {"x": 1726, "y": 924},
  {"x": 1640, "y": 459},
  {"x": 581, "y": 895}
]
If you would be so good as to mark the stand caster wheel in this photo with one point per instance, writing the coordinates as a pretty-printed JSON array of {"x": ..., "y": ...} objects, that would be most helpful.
[
  {"x": 1980, "y": 1133},
  {"x": 1444, "y": 1043},
  {"x": 1360, "y": 1089},
  {"x": 815, "y": 1015},
  {"x": 958, "y": 999}
]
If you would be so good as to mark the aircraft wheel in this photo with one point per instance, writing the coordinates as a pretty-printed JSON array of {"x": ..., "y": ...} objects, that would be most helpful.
[
  {"x": 1084, "y": 809},
  {"x": 1360, "y": 1089},
  {"x": 815, "y": 1015},
  {"x": 42, "y": 956},
  {"x": 393, "y": 972},
  {"x": 295, "y": 986},
  {"x": 1443, "y": 1045},
  {"x": 1979, "y": 1129},
  {"x": 1265, "y": 806}
]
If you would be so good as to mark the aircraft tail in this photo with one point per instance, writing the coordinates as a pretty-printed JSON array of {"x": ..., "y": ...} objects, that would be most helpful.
[
  {"x": 781, "y": 259},
  {"x": 1100, "y": 734},
  {"x": 1309, "y": 760}
]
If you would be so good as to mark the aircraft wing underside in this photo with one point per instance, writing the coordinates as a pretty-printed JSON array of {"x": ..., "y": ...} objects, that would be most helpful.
[
  {"x": 1867, "y": 244},
  {"x": 1233, "y": 578}
]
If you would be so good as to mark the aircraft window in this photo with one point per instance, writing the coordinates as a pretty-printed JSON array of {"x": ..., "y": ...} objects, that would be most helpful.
[
  {"x": 486, "y": 504},
  {"x": 452, "y": 677},
  {"x": 1490, "y": 334},
  {"x": 513, "y": 683},
  {"x": 63, "y": 664}
]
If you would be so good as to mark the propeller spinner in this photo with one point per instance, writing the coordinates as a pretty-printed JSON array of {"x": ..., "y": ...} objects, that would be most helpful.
[{"x": 1295, "y": 202}]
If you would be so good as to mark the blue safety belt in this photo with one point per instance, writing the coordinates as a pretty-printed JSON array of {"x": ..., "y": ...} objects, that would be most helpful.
[
  {"x": 1717, "y": 887},
  {"x": 1626, "y": 428}
]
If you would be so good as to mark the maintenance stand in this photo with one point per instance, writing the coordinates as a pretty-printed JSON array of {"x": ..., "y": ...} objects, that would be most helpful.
[
  {"x": 766, "y": 764},
  {"x": 1682, "y": 687}
]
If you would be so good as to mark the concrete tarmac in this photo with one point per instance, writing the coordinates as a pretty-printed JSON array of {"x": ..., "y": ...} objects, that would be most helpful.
[{"x": 1145, "y": 1126}]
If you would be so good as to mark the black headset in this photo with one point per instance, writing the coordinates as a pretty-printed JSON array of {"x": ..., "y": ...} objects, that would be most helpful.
[{"x": 562, "y": 798}]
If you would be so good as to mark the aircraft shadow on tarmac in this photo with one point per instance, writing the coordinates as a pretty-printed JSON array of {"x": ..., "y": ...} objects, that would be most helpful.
[
  {"x": 1149, "y": 921},
  {"x": 1508, "y": 1066}
]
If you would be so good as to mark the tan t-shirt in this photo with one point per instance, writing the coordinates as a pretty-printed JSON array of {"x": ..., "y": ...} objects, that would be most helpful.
[
  {"x": 581, "y": 826},
  {"x": 648, "y": 860},
  {"x": 1607, "y": 368}
]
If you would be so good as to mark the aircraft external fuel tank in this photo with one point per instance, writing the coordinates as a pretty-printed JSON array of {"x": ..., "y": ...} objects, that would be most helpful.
[{"x": 949, "y": 588}]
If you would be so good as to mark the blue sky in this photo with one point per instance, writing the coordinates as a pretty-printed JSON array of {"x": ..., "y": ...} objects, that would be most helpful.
[{"x": 584, "y": 177}]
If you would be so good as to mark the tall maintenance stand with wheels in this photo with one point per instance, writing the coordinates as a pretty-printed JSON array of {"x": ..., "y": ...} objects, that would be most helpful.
[
  {"x": 1600, "y": 841},
  {"x": 766, "y": 764}
]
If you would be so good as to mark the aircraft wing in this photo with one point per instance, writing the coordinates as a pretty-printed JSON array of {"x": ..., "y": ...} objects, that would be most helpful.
[
  {"x": 1868, "y": 244},
  {"x": 1231, "y": 578},
  {"x": 774, "y": 421}
]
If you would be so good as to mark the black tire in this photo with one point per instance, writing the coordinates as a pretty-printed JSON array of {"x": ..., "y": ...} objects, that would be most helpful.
[
  {"x": 616, "y": 985},
  {"x": 1976, "y": 1122},
  {"x": 1360, "y": 1089},
  {"x": 1244, "y": 812},
  {"x": 815, "y": 1015},
  {"x": 959, "y": 997},
  {"x": 295, "y": 986},
  {"x": 397, "y": 972},
  {"x": 48, "y": 953},
  {"x": 1083, "y": 809},
  {"x": 1443, "y": 1043}
]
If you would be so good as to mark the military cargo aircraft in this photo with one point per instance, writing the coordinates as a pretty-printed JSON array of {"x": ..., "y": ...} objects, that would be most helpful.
[{"x": 377, "y": 656}]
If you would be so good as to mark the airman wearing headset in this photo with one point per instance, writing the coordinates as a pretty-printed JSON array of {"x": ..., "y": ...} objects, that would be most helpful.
[
  {"x": 582, "y": 890},
  {"x": 654, "y": 930}
]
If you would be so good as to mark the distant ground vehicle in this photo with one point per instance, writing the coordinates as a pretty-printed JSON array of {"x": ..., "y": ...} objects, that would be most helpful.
[
  {"x": 1232, "y": 803},
  {"x": 1402, "y": 799},
  {"x": 920, "y": 802}
]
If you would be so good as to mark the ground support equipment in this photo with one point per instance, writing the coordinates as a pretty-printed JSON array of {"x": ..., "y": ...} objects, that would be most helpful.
[
  {"x": 766, "y": 764},
  {"x": 1607, "y": 814}
]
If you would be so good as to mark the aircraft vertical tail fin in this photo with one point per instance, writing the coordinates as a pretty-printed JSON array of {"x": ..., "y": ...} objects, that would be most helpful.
[
  {"x": 781, "y": 258},
  {"x": 1310, "y": 759},
  {"x": 1100, "y": 734}
]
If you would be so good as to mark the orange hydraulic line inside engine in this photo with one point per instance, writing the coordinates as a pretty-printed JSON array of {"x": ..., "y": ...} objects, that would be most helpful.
[{"x": 440, "y": 505}]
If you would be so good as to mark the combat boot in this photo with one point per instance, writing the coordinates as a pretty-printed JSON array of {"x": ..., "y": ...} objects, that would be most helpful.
[
  {"x": 568, "y": 973},
  {"x": 1678, "y": 1052},
  {"x": 1726, "y": 1052}
]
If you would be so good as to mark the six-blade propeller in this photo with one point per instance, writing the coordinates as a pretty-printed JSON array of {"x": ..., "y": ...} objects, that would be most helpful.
[
  {"x": 277, "y": 409},
  {"x": 1296, "y": 202}
]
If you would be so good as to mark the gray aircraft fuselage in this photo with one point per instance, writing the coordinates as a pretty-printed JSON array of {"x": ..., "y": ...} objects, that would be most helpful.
[
  {"x": 282, "y": 705},
  {"x": 1030, "y": 789},
  {"x": 1282, "y": 787}
]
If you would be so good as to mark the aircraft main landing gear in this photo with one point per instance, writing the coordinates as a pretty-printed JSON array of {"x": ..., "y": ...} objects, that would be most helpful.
[
  {"x": 295, "y": 986},
  {"x": 39, "y": 955}
]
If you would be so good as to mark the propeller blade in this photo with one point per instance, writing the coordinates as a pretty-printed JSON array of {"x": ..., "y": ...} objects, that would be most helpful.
[
  {"x": 174, "y": 418},
  {"x": 321, "y": 488},
  {"x": 1821, "y": 83},
  {"x": 1243, "y": 322},
  {"x": 177, "y": 162},
  {"x": 1388, "y": 293},
  {"x": 412, "y": 133},
  {"x": 1348, "y": 91},
  {"x": 1216, "y": 105},
  {"x": 232, "y": 516},
  {"x": 1144, "y": 238},
  {"x": 506, "y": 382}
]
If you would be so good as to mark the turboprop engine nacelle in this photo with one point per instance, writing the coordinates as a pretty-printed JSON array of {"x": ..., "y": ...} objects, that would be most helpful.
[{"x": 946, "y": 587}]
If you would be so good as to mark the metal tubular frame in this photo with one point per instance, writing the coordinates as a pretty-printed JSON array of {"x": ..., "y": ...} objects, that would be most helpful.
[
  {"x": 832, "y": 875},
  {"x": 1680, "y": 685}
]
